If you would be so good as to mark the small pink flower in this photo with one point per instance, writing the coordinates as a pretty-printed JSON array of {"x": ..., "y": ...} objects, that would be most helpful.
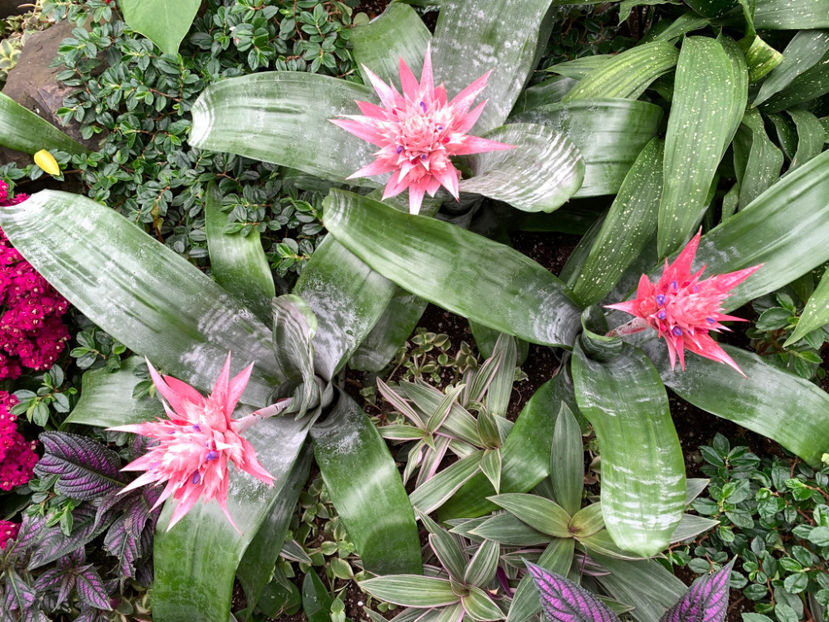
[
  {"x": 417, "y": 132},
  {"x": 8, "y": 531},
  {"x": 683, "y": 309},
  {"x": 196, "y": 444}
]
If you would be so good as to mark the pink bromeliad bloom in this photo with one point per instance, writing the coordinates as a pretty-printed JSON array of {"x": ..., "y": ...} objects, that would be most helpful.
[
  {"x": 418, "y": 132},
  {"x": 683, "y": 308},
  {"x": 194, "y": 446}
]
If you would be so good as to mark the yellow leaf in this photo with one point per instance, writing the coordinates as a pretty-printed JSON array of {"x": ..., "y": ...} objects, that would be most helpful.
[{"x": 47, "y": 162}]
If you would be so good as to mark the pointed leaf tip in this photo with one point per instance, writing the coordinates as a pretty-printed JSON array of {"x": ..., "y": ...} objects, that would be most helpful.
[
  {"x": 705, "y": 601},
  {"x": 564, "y": 601}
]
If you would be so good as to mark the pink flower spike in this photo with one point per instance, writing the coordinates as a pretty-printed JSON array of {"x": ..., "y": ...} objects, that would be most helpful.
[
  {"x": 683, "y": 308},
  {"x": 194, "y": 446},
  {"x": 418, "y": 132}
]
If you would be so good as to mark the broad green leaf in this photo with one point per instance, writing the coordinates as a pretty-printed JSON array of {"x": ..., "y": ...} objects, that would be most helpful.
[
  {"x": 815, "y": 314},
  {"x": 486, "y": 338},
  {"x": 256, "y": 567},
  {"x": 580, "y": 68},
  {"x": 434, "y": 493},
  {"x": 462, "y": 272},
  {"x": 294, "y": 326},
  {"x": 541, "y": 514},
  {"x": 809, "y": 85},
  {"x": 238, "y": 262},
  {"x": 627, "y": 228},
  {"x": 196, "y": 561},
  {"x": 549, "y": 91},
  {"x": 142, "y": 293},
  {"x": 710, "y": 92},
  {"x": 691, "y": 526},
  {"x": 479, "y": 606},
  {"x": 810, "y": 137},
  {"x": 391, "y": 331},
  {"x": 483, "y": 565},
  {"x": 757, "y": 160},
  {"x": 509, "y": 530},
  {"x": 609, "y": 133},
  {"x": 761, "y": 58},
  {"x": 567, "y": 465},
  {"x": 361, "y": 477},
  {"x": 411, "y": 590},
  {"x": 106, "y": 398},
  {"x": 602, "y": 543},
  {"x": 643, "y": 474},
  {"x": 803, "y": 52},
  {"x": 348, "y": 299},
  {"x": 543, "y": 171},
  {"x": 628, "y": 74},
  {"x": 558, "y": 557},
  {"x": 781, "y": 406},
  {"x": 476, "y": 36},
  {"x": 265, "y": 116},
  {"x": 316, "y": 600},
  {"x": 587, "y": 521},
  {"x": 397, "y": 34},
  {"x": 791, "y": 14},
  {"x": 785, "y": 229},
  {"x": 446, "y": 546},
  {"x": 164, "y": 22},
  {"x": 23, "y": 130},
  {"x": 525, "y": 454}
]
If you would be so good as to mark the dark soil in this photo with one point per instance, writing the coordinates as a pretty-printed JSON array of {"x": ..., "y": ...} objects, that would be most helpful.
[{"x": 372, "y": 8}]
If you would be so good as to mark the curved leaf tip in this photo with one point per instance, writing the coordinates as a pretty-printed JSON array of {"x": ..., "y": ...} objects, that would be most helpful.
[
  {"x": 564, "y": 601},
  {"x": 705, "y": 601}
]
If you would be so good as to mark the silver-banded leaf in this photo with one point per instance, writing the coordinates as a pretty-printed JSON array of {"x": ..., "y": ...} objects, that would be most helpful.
[
  {"x": 435, "y": 491},
  {"x": 294, "y": 326},
  {"x": 265, "y": 116},
  {"x": 757, "y": 160},
  {"x": 567, "y": 465},
  {"x": 480, "y": 606},
  {"x": 805, "y": 50},
  {"x": 446, "y": 546},
  {"x": 476, "y": 36},
  {"x": 628, "y": 74},
  {"x": 347, "y": 297},
  {"x": 411, "y": 590},
  {"x": 458, "y": 270},
  {"x": 391, "y": 331},
  {"x": 23, "y": 130},
  {"x": 397, "y": 34},
  {"x": 141, "y": 292},
  {"x": 237, "y": 261},
  {"x": 791, "y": 14},
  {"x": 543, "y": 171},
  {"x": 504, "y": 358},
  {"x": 628, "y": 227},
  {"x": 483, "y": 565},
  {"x": 643, "y": 474},
  {"x": 609, "y": 134},
  {"x": 510, "y": 531},
  {"x": 195, "y": 562},
  {"x": 815, "y": 314},
  {"x": 106, "y": 398},
  {"x": 541, "y": 514},
  {"x": 558, "y": 557},
  {"x": 710, "y": 93},
  {"x": 361, "y": 477},
  {"x": 810, "y": 137},
  {"x": 164, "y": 22}
]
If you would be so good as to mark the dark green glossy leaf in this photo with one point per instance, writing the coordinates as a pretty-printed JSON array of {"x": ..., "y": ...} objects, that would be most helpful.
[
  {"x": 106, "y": 398},
  {"x": 458, "y": 270},
  {"x": 815, "y": 314},
  {"x": 609, "y": 133},
  {"x": 580, "y": 68},
  {"x": 164, "y": 22},
  {"x": 316, "y": 601},
  {"x": 710, "y": 93},
  {"x": 567, "y": 466},
  {"x": 809, "y": 85},
  {"x": 238, "y": 262},
  {"x": 557, "y": 557},
  {"x": 391, "y": 331},
  {"x": 791, "y": 14},
  {"x": 685, "y": 23},
  {"x": 757, "y": 160},
  {"x": 361, "y": 477},
  {"x": 805, "y": 50},
  {"x": 22, "y": 130},
  {"x": 549, "y": 91},
  {"x": 711, "y": 8},
  {"x": 810, "y": 137},
  {"x": 643, "y": 474}
]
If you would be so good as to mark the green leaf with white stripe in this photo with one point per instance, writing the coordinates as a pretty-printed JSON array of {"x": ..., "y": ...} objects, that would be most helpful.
[
  {"x": 643, "y": 474},
  {"x": 510, "y": 530},
  {"x": 411, "y": 590},
  {"x": 609, "y": 134},
  {"x": 542, "y": 514},
  {"x": 397, "y": 33},
  {"x": 580, "y": 68},
  {"x": 628, "y": 74},
  {"x": 238, "y": 261},
  {"x": 462, "y": 272},
  {"x": 106, "y": 398},
  {"x": 761, "y": 58},
  {"x": 265, "y": 116},
  {"x": 628, "y": 227},
  {"x": 479, "y": 606},
  {"x": 435, "y": 491},
  {"x": 815, "y": 314},
  {"x": 23, "y": 130},
  {"x": 142, "y": 293},
  {"x": 803, "y": 52},
  {"x": 710, "y": 92},
  {"x": 543, "y": 171},
  {"x": 483, "y": 565},
  {"x": 476, "y": 36}
]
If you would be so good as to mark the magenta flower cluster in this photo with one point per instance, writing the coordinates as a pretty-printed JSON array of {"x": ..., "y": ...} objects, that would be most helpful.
[
  {"x": 32, "y": 334},
  {"x": 8, "y": 531},
  {"x": 17, "y": 455}
]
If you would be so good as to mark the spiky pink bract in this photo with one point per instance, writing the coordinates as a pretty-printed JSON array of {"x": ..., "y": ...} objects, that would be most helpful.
[
  {"x": 418, "y": 132},
  {"x": 194, "y": 446},
  {"x": 683, "y": 309}
]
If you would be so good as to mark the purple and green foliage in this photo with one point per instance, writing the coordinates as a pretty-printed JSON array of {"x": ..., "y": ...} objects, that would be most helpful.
[
  {"x": 87, "y": 469},
  {"x": 564, "y": 601}
]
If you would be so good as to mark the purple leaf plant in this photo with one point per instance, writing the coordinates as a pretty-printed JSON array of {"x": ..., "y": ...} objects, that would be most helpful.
[{"x": 564, "y": 601}]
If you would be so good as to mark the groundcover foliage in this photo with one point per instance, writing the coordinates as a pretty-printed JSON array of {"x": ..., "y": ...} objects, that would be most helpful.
[{"x": 711, "y": 122}]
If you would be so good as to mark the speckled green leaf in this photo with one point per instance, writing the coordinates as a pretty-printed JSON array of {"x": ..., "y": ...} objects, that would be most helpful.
[
  {"x": 710, "y": 92},
  {"x": 361, "y": 477},
  {"x": 791, "y": 14},
  {"x": 476, "y": 36},
  {"x": 458, "y": 270},
  {"x": 397, "y": 33},
  {"x": 391, "y": 331},
  {"x": 580, "y": 68},
  {"x": 106, "y": 398},
  {"x": 265, "y": 116},
  {"x": 761, "y": 58},
  {"x": 23, "y": 130},
  {"x": 609, "y": 134},
  {"x": 238, "y": 262},
  {"x": 810, "y": 137},
  {"x": 627, "y": 228},
  {"x": 628, "y": 74},
  {"x": 711, "y": 8},
  {"x": 809, "y": 85},
  {"x": 803, "y": 52},
  {"x": 757, "y": 160},
  {"x": 643, "y": 474},
  {"x": 164, "y": 22},
  {"x": 558, "y": 557},
  {"x": 141, "y": 292},
  {"x": 815, "y": 314},
  {"x": 685, "y": 23},
  {"x": 543, "y": 171}
]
